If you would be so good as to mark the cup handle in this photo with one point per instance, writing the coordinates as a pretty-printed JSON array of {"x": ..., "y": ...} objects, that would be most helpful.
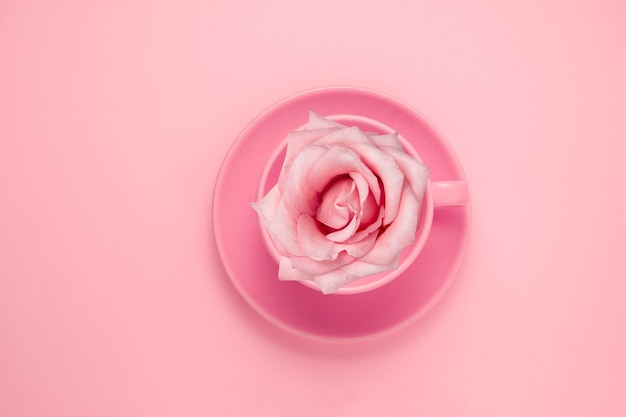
[{"x": 449, "y": 193}]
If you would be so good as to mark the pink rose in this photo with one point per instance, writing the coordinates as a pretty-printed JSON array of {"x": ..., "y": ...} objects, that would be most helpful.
[{"x": 346, "y": 204}]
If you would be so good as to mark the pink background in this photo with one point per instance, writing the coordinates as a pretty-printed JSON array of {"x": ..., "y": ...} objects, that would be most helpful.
[{"x": 115, "y": 116}]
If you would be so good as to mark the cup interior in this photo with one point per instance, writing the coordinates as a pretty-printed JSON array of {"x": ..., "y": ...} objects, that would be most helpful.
[{"x": 269, "y": 178}]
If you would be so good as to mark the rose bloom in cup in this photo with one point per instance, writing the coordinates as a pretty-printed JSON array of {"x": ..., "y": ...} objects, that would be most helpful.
[{"x": 346, "y": 204}]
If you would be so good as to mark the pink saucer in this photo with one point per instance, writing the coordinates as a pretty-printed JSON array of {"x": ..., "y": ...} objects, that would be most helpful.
[{"x": 302, "y": 310}]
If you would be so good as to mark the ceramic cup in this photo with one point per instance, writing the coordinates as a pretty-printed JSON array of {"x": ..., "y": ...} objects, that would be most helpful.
[{"x": 438, "y": 194}]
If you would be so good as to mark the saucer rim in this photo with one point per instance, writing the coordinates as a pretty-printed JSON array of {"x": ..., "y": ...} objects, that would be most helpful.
[{"x": 272, "y": 318}]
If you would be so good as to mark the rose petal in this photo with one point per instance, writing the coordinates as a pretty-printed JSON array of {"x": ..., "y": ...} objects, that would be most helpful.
[
  {"x": 389, "y": 139},
  {"x": 286, "y": 272},
  {"x": 358, "y": 248},
  {"x": 385, "y": 167},
  {"x": 338, "y": 161},
  {"x": 316, "y": 246},
  {"x": 282, "y": 228},
  {"x": 362, "y": 269},
  {"x": 366, "y": 188},
  {"x": 319, "y": 122},
  {"x": 337, "y": 207},
  {"x": 298, "y": 195},
  {"x": 297, "y": 140},
  {"x": 365, "y": 228},
  {"x": 345, "y": 137},
  {"x": 266, "y": 208},
  {"x": 314, "y": 242},
  {"x": 399, "y": 234},
  {"x": 332, "y": 281},
  {"x": 369, "y": 211},
  {"x": 316, "y": 268},
  {"x": 415, "y": 173},
  {"x": 344, "y": 234}
]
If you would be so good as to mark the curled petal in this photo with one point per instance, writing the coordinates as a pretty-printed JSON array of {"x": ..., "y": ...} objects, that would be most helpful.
[
  {"x": 344, "y": 234},
  {"x": 366, "y": 188},
  {"x": 282, "y": 228},
  {"x": 333, "y": 280},
  {"x": 338, "y": 161},
  {"x": 389, "y": 139},
  {"x": 347, "y": 136},
  {"x": 314, "y": 242},
  {"x": 316, "y": 246},
  {"x": 385, "y": 167},
  {"x": 286, "y": 271},
  {"x": 362, "y": 269},
  {"x": 319, "y": 122},
  {"x": 360, "y": 247},
  {"x": 297, "y": 140},
  {"x": 415, "y": 173},
  {"x": 299, "y": 197},
  {"x": 399, "y": 234},
  {"x": 266, "y": 208},
  {"x": 370, "y": 212},
  {"x": 316, "y": 268},
  {"x": 338, "y": 204}
]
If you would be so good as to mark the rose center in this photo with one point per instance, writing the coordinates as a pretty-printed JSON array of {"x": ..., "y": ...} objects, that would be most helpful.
[{"x": 339, "y": 204}]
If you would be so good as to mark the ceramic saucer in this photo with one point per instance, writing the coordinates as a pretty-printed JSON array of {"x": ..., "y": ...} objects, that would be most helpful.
[{"x": 293, "y": 306}]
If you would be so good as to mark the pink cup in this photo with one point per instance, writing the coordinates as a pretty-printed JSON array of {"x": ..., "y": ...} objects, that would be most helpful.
[{"x": 438, "y": 194}]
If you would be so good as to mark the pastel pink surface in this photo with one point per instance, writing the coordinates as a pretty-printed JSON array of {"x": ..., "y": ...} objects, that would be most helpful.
[{"x": 115, "y": 117}]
